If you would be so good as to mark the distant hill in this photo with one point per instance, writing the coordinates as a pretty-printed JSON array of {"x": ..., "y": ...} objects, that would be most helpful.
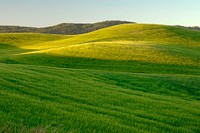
[
  {"x": 195, "y": 28},
  {"x": 64, "y": 28}
]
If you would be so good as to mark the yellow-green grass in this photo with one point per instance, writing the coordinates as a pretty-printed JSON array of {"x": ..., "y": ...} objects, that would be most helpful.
[
  {"x": 125, "y": 42},
  {"x": 126, "y": 78},
  {"x": 26, "y": 39}
]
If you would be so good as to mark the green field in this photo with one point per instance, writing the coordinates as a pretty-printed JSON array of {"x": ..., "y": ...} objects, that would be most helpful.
[{"x": 125, "y": 78}]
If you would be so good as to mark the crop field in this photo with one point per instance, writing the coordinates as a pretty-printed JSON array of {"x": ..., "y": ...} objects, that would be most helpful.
[{"x": 124, "y": 78}]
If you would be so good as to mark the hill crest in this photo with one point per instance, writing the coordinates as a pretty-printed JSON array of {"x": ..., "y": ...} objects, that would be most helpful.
[{"x": 63, "y": 28}]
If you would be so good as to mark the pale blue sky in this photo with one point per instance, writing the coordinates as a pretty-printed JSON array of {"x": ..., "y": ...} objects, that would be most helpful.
[{"x": 50, "y": 12}]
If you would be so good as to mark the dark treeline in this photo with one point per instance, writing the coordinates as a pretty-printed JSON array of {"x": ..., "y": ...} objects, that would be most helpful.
[
  {"x": 195, "y": 28},
  {"x": 64, "y": 28}
]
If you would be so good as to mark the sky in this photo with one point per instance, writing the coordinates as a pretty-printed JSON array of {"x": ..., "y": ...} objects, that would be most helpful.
[{"x": 42, "y": 13}]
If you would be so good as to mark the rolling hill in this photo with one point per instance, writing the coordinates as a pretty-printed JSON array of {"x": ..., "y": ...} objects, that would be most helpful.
[
  {"x": 124, "y": 78},
  {"x": 63, "y": 28}
]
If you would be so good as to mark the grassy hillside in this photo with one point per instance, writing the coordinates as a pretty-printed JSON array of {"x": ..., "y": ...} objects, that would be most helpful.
[
  {"x": 125, "y": 78},
  {"x": 132, "y": 48}
]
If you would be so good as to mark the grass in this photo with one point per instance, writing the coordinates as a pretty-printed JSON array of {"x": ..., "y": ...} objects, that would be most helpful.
[
  {"x": 135, "y": 42},
  {"x": 126, "y": 78},
  {"x": 89, "y": 100}
]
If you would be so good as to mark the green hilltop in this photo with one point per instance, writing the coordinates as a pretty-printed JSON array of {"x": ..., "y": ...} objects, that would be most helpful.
[{"x": 123, "y": 78}]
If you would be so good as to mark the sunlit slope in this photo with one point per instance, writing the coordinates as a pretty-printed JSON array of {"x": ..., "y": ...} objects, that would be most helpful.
[
  {"x": 149, "y": 43},
  {"x": 142, "y": 43},
  {"x": 132, "y": 32},
  {"x": 72, "y": 100},
  {"x": 139, "y": 32}
]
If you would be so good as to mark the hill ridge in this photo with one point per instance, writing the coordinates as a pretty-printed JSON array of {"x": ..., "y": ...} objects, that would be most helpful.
[{"x": 63, "y": 28}]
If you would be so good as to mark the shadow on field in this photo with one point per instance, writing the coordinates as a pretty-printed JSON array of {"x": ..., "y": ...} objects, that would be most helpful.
[
  {"x": 97, "y": 64},
  {"x": 7, "y": 52},
  {"x": 8, "y": 49}
]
